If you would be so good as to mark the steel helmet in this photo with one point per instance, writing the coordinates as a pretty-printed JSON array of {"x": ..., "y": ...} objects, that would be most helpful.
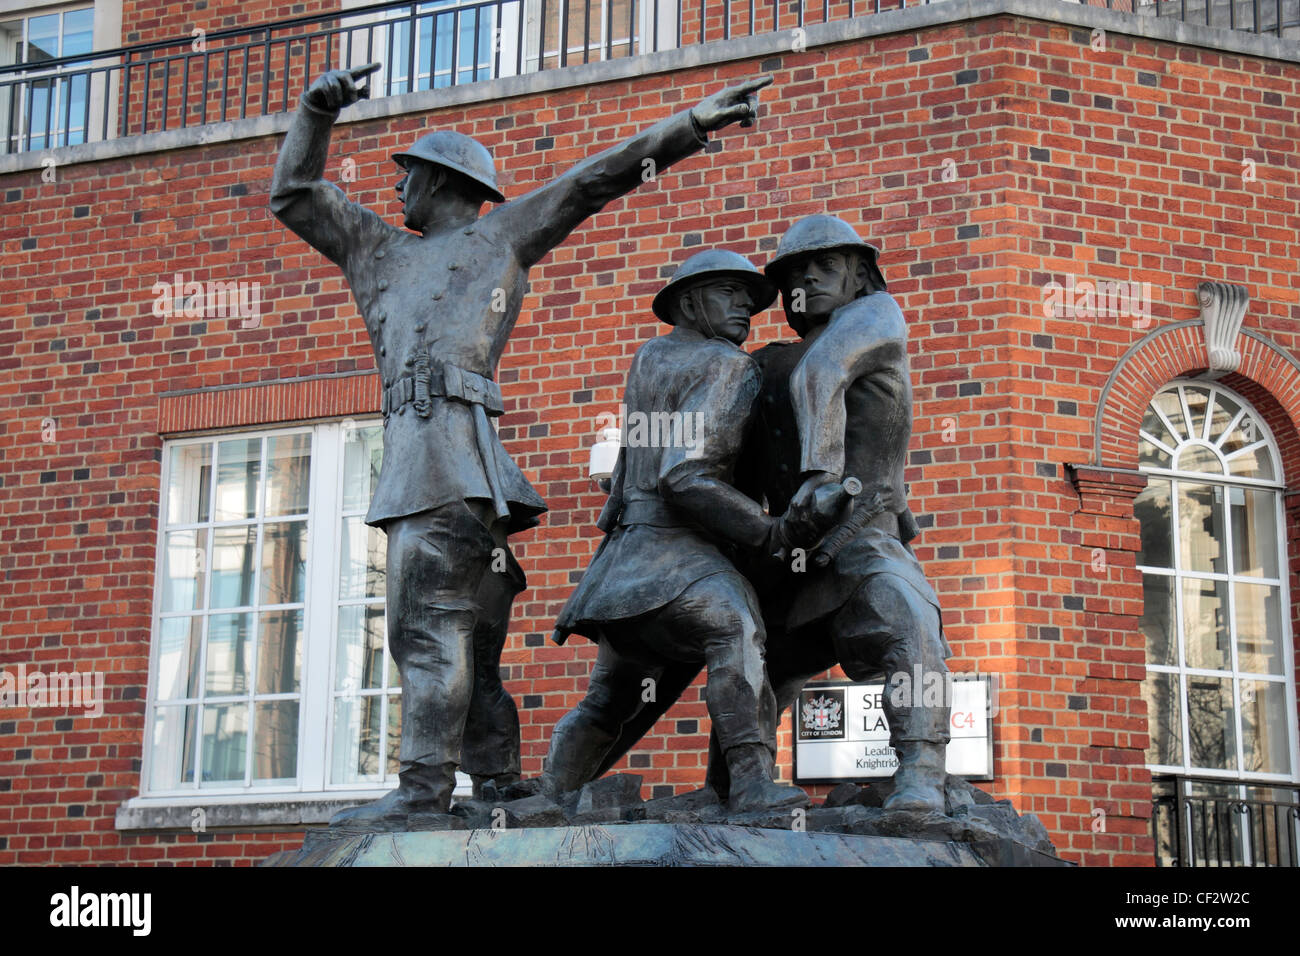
[
  {"x": 820, "y": 233},
  {"x": 458, "y": 152},
  {"x": 716, "y": 263}
]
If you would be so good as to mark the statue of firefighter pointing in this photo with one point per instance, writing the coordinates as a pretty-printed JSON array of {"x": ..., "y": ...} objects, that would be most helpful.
[{"x": 440, "y": 302}]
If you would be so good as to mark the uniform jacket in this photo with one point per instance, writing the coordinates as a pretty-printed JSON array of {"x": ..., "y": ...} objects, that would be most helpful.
[
  {"x": 443, "y": 304},
  {"x": 838, "y": 401},
  {"x": 673, "y": 515}
]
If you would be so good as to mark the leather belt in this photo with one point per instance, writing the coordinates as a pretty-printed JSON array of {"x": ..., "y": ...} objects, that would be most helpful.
[
  {"x": 432, "y": 378},
  {"x": 652, "y": 512}
]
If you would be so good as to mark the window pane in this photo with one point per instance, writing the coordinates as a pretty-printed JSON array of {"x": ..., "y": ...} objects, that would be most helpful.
[
  {"x": 42, "y": 37},
  {"x": 284, "y": 562},
  {"x": 356, "y": 739},
  {"x": 1254, "y": 532},
  {"x": 78, "y": 26},
  {"x": 1164, "y": 719},
  {"x": 1151, "y": 508},
  {"x": 1205, "y": 624},
  {"x": 1225, "y": 410},
  {"x": 275, "y": 753},
  {"x": 189, "y": 472},
  {"x": 73, "y": 109},
  {"x": 279, "y": 652},
  {"x": 1159, "y": 619},
  {"x": 1200, "y": 527},
  {"x": 1257, "y": 463},
  {"x": 1263, "y": 725},
  {"x": 1153, "y": 455},
  {"x": 1259, "y": 629},
  {"x": 362, "y": 560},
  {"x": 1198, "y": 458},
  {"x": 225, "y": 743},
  {"x": 184, "y": 561},
  {"x": 232, "y": 566},
  {"x": 1197, "y": 401},
  {"x": 360, "y": 648},
  {"x": 1153, "y": 426},
  {"x": 363, "y": 453},
  {"x": 1168, "y": 403},
  {"x": 238, "y": 469},
  {"x": 288, "y": 474},
  {"x": 229, "y": 636},
  {"x": 1246, "y": 433},
  {"x": 172, "y": 754},
  {"x": 178, "y": 657},
  {"x": 1211, "y": 732}
]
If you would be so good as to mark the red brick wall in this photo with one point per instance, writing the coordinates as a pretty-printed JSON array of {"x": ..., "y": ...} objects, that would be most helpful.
[
  {"x": 144, "y": 21},
  {"x": 1120, "y": 164}
]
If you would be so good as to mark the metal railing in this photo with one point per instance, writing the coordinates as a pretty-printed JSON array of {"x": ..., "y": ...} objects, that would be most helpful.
[
  {"x": 1213, "y": 822},
  {"x": 250, "y": 71}
]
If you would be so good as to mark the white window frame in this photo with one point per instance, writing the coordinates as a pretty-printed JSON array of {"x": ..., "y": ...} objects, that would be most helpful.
[
  {"x": 320, "y": 632},
  {"x": 1186, "y": 769},
  {"x": 106, "y": 34}
]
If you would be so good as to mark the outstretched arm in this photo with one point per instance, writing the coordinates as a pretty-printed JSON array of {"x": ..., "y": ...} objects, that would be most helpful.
[
  {"x": 315, "y": 209},
  {"x": 541, "y": 220}
]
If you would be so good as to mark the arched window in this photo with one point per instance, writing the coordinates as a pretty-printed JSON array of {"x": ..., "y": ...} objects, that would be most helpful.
[{"x": 1220, "y": 686}]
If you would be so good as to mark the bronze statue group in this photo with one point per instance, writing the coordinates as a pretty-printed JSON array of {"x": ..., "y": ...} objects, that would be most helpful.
[{"x": 770, "y": 547}]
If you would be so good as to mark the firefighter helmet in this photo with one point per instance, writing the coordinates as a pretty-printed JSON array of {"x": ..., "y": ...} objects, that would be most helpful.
[
  {"x": 817, "y": 234},
  {"x": 458, "y": 152},
  {"x": 716, "y": 264}
]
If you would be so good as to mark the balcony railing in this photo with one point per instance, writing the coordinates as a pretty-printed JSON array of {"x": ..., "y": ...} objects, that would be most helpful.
[
  {"x": 251, "y": 71},
  {"x": 1212, "y": 822}
]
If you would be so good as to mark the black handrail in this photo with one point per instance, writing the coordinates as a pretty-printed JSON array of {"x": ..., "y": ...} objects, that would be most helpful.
[
  {"x": 1198, "y": 829},
  {"x": 150, "y": 87}
]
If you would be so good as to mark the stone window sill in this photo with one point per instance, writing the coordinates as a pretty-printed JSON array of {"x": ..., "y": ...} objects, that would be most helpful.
[{"x": 203, "y": 814}]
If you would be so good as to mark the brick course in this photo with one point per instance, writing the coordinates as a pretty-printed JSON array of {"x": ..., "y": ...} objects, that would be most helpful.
[{"x": 980, "y": 178}]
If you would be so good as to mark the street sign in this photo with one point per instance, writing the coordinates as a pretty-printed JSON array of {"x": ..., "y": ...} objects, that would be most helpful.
[{"x": 841, "y": 733}]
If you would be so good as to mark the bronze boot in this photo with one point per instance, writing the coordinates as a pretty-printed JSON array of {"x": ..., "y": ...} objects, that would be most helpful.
[
  {"x": 920, "y": 777},
  {"x": 752, "y": 787},
  {"x": 423, "y": 790}
]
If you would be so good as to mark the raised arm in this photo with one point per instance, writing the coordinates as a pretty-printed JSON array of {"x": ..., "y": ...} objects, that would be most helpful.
[
  {"x": 541, "y": 220},
  {"x": 314, "y": 209}
]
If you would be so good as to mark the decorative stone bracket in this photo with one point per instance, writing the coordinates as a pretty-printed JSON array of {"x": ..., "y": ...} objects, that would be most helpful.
[
  {"x": 1223, "y": 307},
  {"x": 1106, "y": 491}
]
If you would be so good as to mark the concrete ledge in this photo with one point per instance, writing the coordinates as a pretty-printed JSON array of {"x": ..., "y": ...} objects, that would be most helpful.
[
  {"x": 141, "y": 816},
  {"x": 912, "y": 19}
]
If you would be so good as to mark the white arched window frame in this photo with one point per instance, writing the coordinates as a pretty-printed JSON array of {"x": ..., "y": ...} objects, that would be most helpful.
[{"x": 1220, "y": 684}]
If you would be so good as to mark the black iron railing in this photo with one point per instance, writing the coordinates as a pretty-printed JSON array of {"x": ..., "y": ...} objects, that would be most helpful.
[
  {"x": 250, "y": 71},
  {"x": 1212, "y": 822}
]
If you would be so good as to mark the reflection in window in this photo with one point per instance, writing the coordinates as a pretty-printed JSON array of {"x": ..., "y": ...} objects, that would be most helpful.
[
  {"x": 367, "y": 704},
  {"x": 50, "y": 110},
  {"x": 1215, "y": 616},
  {"x": 233, "y": 593}
]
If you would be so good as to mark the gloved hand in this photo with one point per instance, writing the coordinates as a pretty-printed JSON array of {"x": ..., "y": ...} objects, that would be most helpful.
[
  {"x": 336, "y": 89},
  {"x": 818, "y": 506}
]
